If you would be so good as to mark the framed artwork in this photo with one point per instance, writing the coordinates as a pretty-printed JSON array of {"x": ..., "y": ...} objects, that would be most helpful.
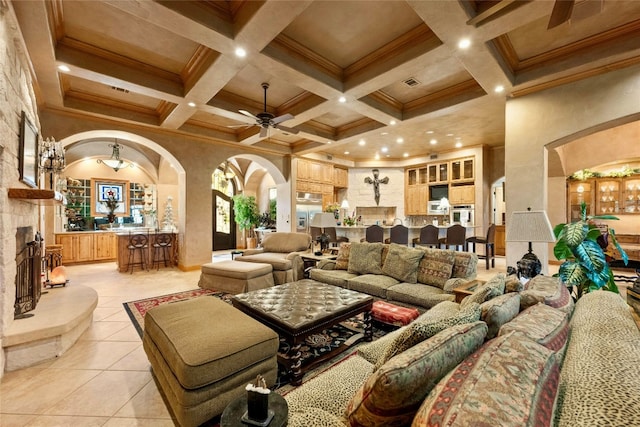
[
  {"x": 102, "y": 189},
  {"x": 28, "y": 152}
]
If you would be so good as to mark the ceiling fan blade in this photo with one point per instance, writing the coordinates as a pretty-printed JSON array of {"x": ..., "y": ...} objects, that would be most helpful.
[
  {"x": 561, "y": 13},
  {"x": 286, "y": 129},
  {"x": 248, "y": 114},
  {"x": 264, "y": 132},
  {"x": 282, "y": 118},
  {"x": 245, "y": 125}
]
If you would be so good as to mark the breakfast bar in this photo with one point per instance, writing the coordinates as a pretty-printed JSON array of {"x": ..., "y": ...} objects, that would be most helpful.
[
  {"x": 157, "y": 241},
  {"x": 357, "y": 232}
]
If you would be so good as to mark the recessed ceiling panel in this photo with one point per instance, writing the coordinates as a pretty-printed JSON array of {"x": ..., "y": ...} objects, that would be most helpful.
[
  {"x": 339, "y": 116},
  {"x": 247, "y": 84},
  {"x": 97, "y": 24},
  {"x": 76, "y": 84},
  {"x": 345, "y": 31}
]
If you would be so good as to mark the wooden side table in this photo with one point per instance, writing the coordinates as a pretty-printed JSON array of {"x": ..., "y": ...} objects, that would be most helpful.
[
  {"x": 232, "y": 414},
  {"x": 310, "y": 260},
  {"x": 466, "y": 290}
]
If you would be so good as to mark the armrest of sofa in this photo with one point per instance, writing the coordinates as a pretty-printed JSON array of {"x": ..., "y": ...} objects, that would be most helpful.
[
  {"x": 327, "y": 264},
  {"x": 252, "y": 251}
]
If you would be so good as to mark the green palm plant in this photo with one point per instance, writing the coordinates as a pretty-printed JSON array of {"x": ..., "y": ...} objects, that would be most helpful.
[{"x": 585, "y": 268}]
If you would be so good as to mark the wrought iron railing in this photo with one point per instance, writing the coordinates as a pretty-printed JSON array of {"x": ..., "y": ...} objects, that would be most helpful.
[{"x": 28, "y": 281}]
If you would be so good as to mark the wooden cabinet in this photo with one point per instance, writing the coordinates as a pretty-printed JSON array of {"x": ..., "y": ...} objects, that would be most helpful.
[
  {"x": 76, "y": 247},
  {"x": 462, "y": 170},
  {"x": 104, "y": 246},
  {"x": 438, "y": 173},
  {"x": 500, "y": 243},
  {"x": 607, "y": 196},
  {"x": 630, "y": 202},
  {"x": 340, "y": 178},
  {"x": 416, "y": 198},
  {"x": 578, "y": 192},
  {"x": 87, "y": 246},
  {"x": 303, "y": 169},
  {"x": 462, "y": 194}
]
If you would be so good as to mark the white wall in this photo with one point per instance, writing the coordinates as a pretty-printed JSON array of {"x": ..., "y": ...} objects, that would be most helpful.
[{"x": 361, "y": 194}]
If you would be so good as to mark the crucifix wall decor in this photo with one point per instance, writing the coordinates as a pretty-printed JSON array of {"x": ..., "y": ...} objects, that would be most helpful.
[{"x": 376, "y": 183}]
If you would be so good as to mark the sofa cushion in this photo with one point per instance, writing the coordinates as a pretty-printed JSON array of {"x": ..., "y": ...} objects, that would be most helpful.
[
  {"x": 402, "y": 262},
  {"x": 496, "y": 284},
  {"x": 278, "y": 260},
  {"x": 511, "y": 381},
  {"x": 465, "y": 265},
  {"x": 286, "y": 242},
  {"x": 372, "y": 284},
  {"x": 435, "y": 267},
  {"x": 498, "y": 311},
  {"x": 478, "y": 296},
  {"x": 342, "y": 261},
  {"x": 513, "y": 284},
  {"x": 548, "y": 290},
  {"x": 374, "y": 350},
  {"x": 417, "y": 332},
  {"x": 332, "y": 277},
  {"x": 365, "y": 258},
  {"x": 543, "y": 324},
  {"x": 392, "y": 394},
  {"x": 418, "y": 294},
  {"x": 443, "y": 309},
  {"x": 313, "y": 417}
]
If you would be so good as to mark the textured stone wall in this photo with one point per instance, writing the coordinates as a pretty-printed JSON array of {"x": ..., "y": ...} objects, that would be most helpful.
[{"x": 16, "y": 95}]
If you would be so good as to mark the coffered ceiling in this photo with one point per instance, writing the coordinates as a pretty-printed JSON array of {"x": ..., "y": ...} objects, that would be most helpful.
[{"x": 397, "y": 64}]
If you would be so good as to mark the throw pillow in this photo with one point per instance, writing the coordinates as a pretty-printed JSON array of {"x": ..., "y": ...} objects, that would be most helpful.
[
  {"x": 417, "y": 332},
  {"x": 513, "y": 284},
  {"x": 392, "y": 394},
  {"x": 402, "y": 263},
  {"x": 342, "y": 261},
  {"x": 543, "y": 324},
  {"x": 477, "y": 297},
  {"x": 435, "y": 267},
  {"x": 511, "y": 381},
  {"x": 465, "y": 265},
  {"x": 498, "y": 311},
  {"x": 496, "y": 284},
  {"x": 365, "y": 258}
]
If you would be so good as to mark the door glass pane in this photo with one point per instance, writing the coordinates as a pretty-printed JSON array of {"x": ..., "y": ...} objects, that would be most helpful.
[{"x": 223, "y": 213}]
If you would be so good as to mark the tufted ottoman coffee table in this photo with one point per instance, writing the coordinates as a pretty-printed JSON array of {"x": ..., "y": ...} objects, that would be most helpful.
[{"x": 298, "y": 309}]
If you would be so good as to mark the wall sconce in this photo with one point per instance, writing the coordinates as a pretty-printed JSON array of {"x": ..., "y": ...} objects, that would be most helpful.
[{"x": 52, "y": 159}]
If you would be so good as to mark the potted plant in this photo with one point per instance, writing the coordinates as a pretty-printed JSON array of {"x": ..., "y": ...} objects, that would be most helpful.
[
  {"x": 585, "y": 266},
  {"x": 247, "y": 216}
]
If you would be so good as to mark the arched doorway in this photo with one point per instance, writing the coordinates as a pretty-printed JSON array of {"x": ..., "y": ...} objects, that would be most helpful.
[{"x": 224, "y": 226}]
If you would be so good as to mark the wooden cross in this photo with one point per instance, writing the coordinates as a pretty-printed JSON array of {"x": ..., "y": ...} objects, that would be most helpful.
[{"x": 376, "y": 184}]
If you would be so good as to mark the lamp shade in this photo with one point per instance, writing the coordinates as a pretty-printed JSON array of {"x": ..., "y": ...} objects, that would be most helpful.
[
  {"x": 323, "y": 220},
  {"x": 345, "y": 204},
  {"x": 529, "y": 226}
]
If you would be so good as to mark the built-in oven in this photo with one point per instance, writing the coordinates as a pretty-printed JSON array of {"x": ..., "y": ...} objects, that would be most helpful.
[{"x": 462, "y": 214}]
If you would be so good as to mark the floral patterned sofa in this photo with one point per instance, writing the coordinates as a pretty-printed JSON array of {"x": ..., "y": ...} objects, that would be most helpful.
[
  {"x": 487, "y": 362},
  {"x": 416, "y": 276}
]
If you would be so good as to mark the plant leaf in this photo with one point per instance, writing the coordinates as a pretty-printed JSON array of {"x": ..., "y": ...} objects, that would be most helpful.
[
  {"x": 607, "y": 217},
  {"x": 572, "y": 273},
  {"x": 590, "y": 254},
  {"x": 562, "y": 251},
  {"x": 575, "y": 233},
  {"x": 612, "y": 237},
  {"x": 557, "y": 230}
]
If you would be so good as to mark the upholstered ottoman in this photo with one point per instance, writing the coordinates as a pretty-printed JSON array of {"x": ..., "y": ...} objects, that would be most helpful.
[
  {"x": 392, "y": 314},
  {"x": 236, "y": 277},
  {"x": 203, "y": 352}
]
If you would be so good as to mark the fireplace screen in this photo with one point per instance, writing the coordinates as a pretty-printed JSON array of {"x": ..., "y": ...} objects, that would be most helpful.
[{"x": 29, "y": 268}]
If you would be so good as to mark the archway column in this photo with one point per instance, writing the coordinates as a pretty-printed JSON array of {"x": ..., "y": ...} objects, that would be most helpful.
[{"x": 551, "y": 118}]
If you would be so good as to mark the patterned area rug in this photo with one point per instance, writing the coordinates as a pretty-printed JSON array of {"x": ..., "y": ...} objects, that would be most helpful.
[{"x": 336, "y": 339}]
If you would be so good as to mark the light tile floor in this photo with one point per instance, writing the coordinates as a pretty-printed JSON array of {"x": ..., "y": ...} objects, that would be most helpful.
[{"x": 104, "y": 379}]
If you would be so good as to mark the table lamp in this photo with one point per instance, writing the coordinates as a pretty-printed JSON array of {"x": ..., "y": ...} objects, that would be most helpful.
[
  {"x": 345, "y": 206},
  {"x": 323, "y": 220},
  {"x": 529, "y": 226}
]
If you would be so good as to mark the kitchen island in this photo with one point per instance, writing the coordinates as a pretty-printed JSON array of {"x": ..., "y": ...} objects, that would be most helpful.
[{"x": 123, "y": 236}]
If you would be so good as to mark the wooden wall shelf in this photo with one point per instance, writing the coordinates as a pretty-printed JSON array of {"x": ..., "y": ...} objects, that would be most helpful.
[{"x": 36, "y": 194}]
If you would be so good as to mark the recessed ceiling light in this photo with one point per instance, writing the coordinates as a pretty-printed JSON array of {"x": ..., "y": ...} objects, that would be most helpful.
[
  {"x": 458, "y": 144},
  {"x": 449, "y": 134},
  {"x": 362, "y": 142},
  {"x": 191, "y": 104},
  {"x": 384, "y": 133},
  {"x": 346, "y": 152},
  {"x": 499, "y": 89},
  {"x": 342, "y": 99},
  {"x": 329, "y": 142},
  {"x": 433, "y": 142},
  {"x": 429, "y": 132},
  {"x": 405, "y": 155},
  {"x": 377, "y": 156},
  {"x": 384, "y": 149},
  {"x": 64, "y": 68},
  {"x": 464, "y": 43},
  {"x": 400, "y": 140},
  {"x": 392, "y": 122},
  {"x": 240, "y": 52}
]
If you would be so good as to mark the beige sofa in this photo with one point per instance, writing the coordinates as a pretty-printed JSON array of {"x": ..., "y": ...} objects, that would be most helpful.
[
  {"x": 416, "y": 276},
  {"x": 282, "y": 250},
  {"x": 543, "y": 368}
]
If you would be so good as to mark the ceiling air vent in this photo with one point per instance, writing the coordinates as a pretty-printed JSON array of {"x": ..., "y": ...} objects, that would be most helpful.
[
  {"x": 411, "y": 82},
  {"x": 119, "y": 89},
  {"x": 433, "y": 156}
]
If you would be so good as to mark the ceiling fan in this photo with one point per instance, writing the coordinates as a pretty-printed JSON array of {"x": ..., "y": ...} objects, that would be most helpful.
[
  {"x": 266, "y": 120},
  {"x": 561, "y": 13}
]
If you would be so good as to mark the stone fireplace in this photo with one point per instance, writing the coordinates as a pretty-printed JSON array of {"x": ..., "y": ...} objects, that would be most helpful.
[{"x": 28, "y": 272}]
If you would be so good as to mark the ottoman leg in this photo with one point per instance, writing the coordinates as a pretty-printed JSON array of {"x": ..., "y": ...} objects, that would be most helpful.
[{"x": 295, "y": 367}]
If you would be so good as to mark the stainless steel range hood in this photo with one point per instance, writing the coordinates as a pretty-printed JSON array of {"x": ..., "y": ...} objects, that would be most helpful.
[{"x": 309, "y": 198}]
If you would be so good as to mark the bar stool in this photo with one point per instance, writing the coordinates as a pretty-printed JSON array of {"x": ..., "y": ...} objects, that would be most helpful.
[
  {"x": 374, "y": 233},
  {"x": 455, "y": 237},
  {"x": 162, "y": 247},
  {"x": 138, "y": 243},
  {"x": 489, "y": 245},
  {"x": 398, "y": 234},
  {"x": 428, "y": 237}
]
